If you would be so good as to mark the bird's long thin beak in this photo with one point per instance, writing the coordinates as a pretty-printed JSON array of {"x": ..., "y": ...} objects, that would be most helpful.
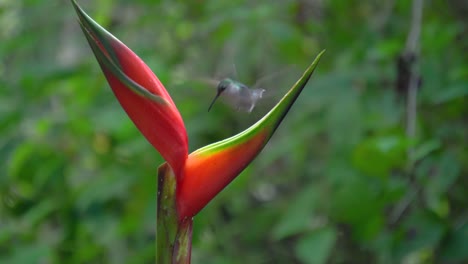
[{"x": 214, "y": 100}]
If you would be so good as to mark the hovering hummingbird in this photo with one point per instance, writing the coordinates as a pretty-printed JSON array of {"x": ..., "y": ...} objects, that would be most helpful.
[{"x": 238, "y": 94}]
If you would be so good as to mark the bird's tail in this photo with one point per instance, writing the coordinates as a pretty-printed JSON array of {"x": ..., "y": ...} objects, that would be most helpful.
[{"x": 257, "y": 93}]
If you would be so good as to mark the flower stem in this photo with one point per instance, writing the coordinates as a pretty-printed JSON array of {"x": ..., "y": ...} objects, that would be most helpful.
[
  {"x": 173, "y": 238},
  {"x": 183, "y": 244}
]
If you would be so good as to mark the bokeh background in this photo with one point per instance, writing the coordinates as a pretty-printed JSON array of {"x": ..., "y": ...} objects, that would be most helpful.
[{"x": 341, "y": 181}]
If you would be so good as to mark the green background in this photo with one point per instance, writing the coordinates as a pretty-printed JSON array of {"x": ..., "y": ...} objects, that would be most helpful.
[{"x": 334, "y": 185}]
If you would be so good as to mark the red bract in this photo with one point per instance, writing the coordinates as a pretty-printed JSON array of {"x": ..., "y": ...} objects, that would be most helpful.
[
  {"x": 208, "y": 170},
  {"x": 140, "y": 93},
  {"x": 160, "y": 123}
]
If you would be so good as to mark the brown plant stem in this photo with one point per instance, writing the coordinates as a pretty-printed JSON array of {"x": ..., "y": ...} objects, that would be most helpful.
[
  {"x": 412, "y": 50},
  {"x": 408, "y": 83}
]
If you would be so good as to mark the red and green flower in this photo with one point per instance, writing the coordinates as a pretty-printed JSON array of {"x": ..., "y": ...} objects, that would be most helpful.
[{"x": 186, "y": 183}]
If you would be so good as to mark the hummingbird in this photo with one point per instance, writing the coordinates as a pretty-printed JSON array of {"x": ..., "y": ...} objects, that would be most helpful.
[{"x": 238, "y": 94}]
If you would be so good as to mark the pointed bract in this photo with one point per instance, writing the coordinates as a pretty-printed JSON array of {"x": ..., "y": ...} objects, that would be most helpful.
[
  {"x": 208, "y": 170},
  {"x": 139, "y": 91}
]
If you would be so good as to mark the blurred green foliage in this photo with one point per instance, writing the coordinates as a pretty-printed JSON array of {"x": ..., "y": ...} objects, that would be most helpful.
[{"x": 334, "y": 185}]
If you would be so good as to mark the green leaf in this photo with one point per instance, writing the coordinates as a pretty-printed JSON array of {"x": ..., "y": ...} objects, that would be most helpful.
[
  {"x": 379, "y": 155},
  {"x": 425, "y": 149},
  {"x": 33, "y": 253},
  {"x": 455, "y": 246},
  {"x": 357, "y": 203},
  {"x": 298, "y": 214},
  {"x": 315, "y": 247},
  {"x": 422, "y": 230}
]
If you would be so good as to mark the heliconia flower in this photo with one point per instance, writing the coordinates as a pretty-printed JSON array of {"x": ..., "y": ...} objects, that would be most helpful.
[{"x": 201, "y": 175}]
